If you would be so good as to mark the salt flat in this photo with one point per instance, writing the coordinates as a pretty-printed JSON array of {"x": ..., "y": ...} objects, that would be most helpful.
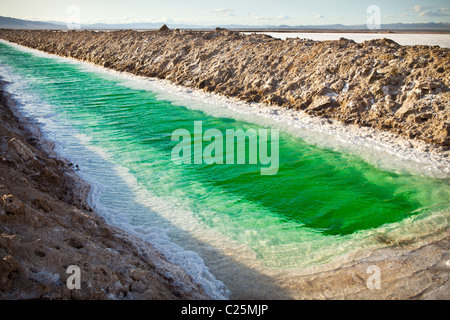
[{"x": 442, "y": 40}]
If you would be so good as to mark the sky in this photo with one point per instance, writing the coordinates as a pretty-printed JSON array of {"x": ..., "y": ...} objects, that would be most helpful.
[{"x": 218, "y": 12}]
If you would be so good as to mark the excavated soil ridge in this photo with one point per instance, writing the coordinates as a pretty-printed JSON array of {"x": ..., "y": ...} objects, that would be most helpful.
[{"x": 378, "y": 83}]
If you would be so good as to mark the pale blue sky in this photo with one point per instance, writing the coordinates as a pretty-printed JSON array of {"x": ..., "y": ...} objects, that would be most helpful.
[{"x": 248, "y": 12}]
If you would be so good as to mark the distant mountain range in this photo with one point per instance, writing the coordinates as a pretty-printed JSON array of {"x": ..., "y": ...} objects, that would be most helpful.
[{"x": 12, "y": 23}]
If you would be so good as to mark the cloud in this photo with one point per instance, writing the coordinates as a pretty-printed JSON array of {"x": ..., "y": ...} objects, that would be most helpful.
[
  {"x": 223, "y": 12},
  {"x": 426, "y": 11},
  {"x": 418, "y": 9},
  {"x": 319, "y": 16},
  {"x": 282, "y": 17},
  {"x": 257, "y": 17}
]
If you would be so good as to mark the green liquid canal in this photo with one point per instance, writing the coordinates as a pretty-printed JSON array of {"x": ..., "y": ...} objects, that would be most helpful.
[{"x": 317, "y": 193}]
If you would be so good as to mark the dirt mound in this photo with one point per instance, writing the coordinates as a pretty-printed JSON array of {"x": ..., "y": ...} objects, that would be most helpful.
[{"x": 378, "y": 83}]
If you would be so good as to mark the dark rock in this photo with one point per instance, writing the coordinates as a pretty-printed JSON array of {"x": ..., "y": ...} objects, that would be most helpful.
[{"x": 164, "y": 28}]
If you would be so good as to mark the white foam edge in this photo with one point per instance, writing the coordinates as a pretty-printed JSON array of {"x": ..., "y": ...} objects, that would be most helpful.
[{"x": 191, "y": 262}]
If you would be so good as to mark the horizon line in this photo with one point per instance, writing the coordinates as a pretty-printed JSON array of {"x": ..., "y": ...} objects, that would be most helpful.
[{"x": 284, "y": 26}]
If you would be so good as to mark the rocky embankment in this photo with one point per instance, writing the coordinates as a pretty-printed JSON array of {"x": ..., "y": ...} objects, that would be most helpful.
[
  {"x": 379, "y": 84},
  {"x": 47, "y": 226}
]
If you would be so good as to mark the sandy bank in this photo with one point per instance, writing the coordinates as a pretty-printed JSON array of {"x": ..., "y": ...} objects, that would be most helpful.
[{"x": 46, "y": 225}]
